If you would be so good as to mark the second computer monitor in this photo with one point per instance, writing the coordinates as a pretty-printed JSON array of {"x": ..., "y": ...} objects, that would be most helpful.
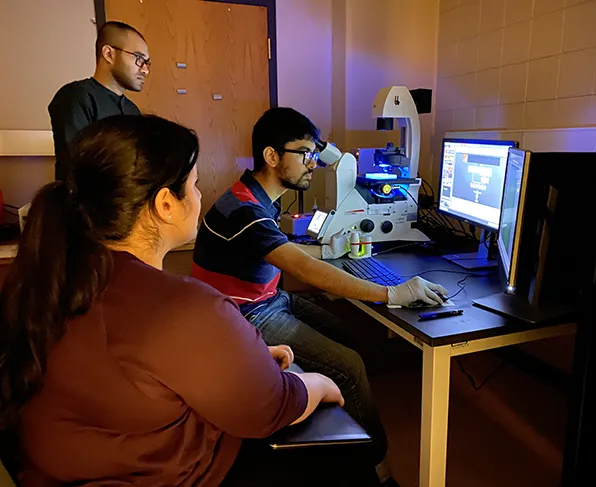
[
  {"x": 472, "y": 179},
  {"x": 514, "y": 196}
]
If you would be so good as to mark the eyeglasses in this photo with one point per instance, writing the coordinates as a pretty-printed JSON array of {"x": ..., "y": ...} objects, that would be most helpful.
[
  {"x": 307, "y": 156},
  {"x": 140, "y": 61}
]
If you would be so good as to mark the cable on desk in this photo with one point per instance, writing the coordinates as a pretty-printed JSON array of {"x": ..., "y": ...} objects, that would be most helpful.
[
  {"x": 475, "y": 386},
  {"x": 409, "y": 244},
  {"x": 449, "y": 271},
  {"x": 292, "y": 203},
  {"x": 462, "y": 285}
]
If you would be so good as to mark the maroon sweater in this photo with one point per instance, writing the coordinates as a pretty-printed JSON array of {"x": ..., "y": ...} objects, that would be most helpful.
[{"x": 155, "y": 385}]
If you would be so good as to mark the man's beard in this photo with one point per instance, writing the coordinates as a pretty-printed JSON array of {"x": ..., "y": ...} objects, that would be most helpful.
[
  {"x": 125, "y": 82},
  {"x": 301, "y": 185}
]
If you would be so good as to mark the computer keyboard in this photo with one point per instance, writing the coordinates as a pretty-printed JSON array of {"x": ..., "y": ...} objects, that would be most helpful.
[{"x": 372, "y": 270}]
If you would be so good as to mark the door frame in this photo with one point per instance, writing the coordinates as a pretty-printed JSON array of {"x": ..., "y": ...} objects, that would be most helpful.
[{"x": 100, "y": 17}]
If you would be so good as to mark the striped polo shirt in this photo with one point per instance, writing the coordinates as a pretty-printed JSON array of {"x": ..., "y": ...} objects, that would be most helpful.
[{"x": 237, "y": 233}]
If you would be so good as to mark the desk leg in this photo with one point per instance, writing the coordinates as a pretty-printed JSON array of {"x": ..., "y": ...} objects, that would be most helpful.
[{"x": 436, "y": 364}]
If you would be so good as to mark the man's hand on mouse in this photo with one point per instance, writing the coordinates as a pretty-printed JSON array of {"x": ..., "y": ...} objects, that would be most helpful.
[{"x": 416, "y": 289}]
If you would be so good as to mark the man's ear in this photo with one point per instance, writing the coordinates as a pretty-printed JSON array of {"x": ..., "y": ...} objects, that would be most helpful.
[
  {"x": 271, "y": 157},
  {"x": 108, "y": 53}
]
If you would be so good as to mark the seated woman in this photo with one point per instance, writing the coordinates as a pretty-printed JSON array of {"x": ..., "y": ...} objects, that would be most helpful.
[{"x": 113, "y": 372}]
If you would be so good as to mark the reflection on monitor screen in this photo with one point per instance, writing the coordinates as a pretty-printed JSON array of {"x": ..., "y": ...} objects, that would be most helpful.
[{"x": 472, "y": 177}]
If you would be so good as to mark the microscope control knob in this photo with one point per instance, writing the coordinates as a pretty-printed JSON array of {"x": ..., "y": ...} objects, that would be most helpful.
[
  {"x": 386, "y": 226},
  {"x": 367, "y": 225}
]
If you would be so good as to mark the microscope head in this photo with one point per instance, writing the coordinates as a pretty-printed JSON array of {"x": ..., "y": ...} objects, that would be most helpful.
[{"x": 328, "y": 153}]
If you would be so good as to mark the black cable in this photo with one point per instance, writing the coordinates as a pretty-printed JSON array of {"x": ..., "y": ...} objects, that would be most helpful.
[
  {"x": 432, "y": 191},
  {"x": 394, "y": 248},
  {"x": 487, "y": 243},
  {"x": 433, "y": 219},
  {"x": 418, "y": 206},
  {"x": 475, "y": 386},
  {"x": 430, "y": 211},
  {"x": 445, "y": 222},
  {"x": 413, "y": 199},
  {"x": 462, "y": 285},
  {"x": 440, "y": 223},
  {"x": 292, "y": 203},
  {"x": 465, "y": 231},
  {"x": 448, "y": 221},
  {"x": 449, "y": 271},
  {"x": 11, "y": 206}
]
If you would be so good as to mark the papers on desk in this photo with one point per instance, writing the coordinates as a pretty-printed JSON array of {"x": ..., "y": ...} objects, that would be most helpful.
[
  {"x": 8, "y": 251},
  {"x": 446, "y": 304}
]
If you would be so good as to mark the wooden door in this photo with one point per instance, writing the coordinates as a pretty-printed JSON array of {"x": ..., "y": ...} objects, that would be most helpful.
[{"x": 225, "y": 84}]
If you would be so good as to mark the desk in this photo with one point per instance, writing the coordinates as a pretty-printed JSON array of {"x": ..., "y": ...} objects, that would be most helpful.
[{"x": 474, "y": 331}]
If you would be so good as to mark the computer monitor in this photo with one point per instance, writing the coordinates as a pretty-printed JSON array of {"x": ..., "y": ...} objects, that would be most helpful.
[
  {"x": 544, "y": 255},
  {"x": 471, "y": 189},
  {"x": 513, "y": 204}
]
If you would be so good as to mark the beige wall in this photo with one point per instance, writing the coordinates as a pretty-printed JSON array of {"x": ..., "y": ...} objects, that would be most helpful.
[
  {"x": 51, "y": 43},
  {"x": 45, "y": 45},
  {"x": 304, "y": 61},
  {"x": 517, "y": 65},
  {"x": 388, "y": 42},
  {"x": 304, "y": 72}
]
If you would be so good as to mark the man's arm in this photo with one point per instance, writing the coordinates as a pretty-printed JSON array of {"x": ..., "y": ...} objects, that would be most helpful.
[
  {"x": 312, "y": 250},
  {"x": 292, "y": 259}
]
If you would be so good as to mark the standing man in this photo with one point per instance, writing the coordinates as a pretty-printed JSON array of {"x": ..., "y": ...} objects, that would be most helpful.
[
  {"x": 122, "y": 63},
  {"x": 240, "y": 251}
]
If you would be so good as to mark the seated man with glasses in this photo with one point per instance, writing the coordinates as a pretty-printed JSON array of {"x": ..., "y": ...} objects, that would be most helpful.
[
  {"x": 122, "y": 63},
  {"x": 240, "y": 251}
]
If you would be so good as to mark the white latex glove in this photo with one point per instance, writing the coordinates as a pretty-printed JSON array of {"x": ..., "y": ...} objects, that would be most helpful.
[
  {"x": 338, "y": 246},
  {"x": 416, "y": 289}
]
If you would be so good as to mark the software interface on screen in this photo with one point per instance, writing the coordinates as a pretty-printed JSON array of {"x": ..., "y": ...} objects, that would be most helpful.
[
  {"x": 472, "y": 181},
  {"x": 511, "y": 196}
]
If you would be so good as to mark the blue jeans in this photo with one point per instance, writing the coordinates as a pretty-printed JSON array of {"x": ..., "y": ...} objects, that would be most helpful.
[{"x": 320, "y": 343}]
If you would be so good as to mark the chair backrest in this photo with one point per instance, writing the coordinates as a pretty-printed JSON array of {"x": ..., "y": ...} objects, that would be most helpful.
[{"x": 5, "y": 480}]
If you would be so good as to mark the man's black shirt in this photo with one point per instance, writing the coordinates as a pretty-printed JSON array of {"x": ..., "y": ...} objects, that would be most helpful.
[{"x": 75, "y": 106}]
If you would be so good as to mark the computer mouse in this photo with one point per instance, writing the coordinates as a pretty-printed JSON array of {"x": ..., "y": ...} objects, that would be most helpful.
[
  {"x": 423, "y": 304},
  {"x": 420, "y": 304}
]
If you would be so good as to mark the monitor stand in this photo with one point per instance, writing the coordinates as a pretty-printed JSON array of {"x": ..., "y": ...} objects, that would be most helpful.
[
  {"x": 476, "y": 260},
  {"x": 521, "y": 309}
]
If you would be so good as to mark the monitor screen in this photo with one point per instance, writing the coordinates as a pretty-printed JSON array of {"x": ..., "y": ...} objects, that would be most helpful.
[
  {"x": 472, "y": 178},
  {"x": 511, "y": 206}
]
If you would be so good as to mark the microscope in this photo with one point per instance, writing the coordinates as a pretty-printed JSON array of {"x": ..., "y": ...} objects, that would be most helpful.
[{"x": 380, "y": 206}]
